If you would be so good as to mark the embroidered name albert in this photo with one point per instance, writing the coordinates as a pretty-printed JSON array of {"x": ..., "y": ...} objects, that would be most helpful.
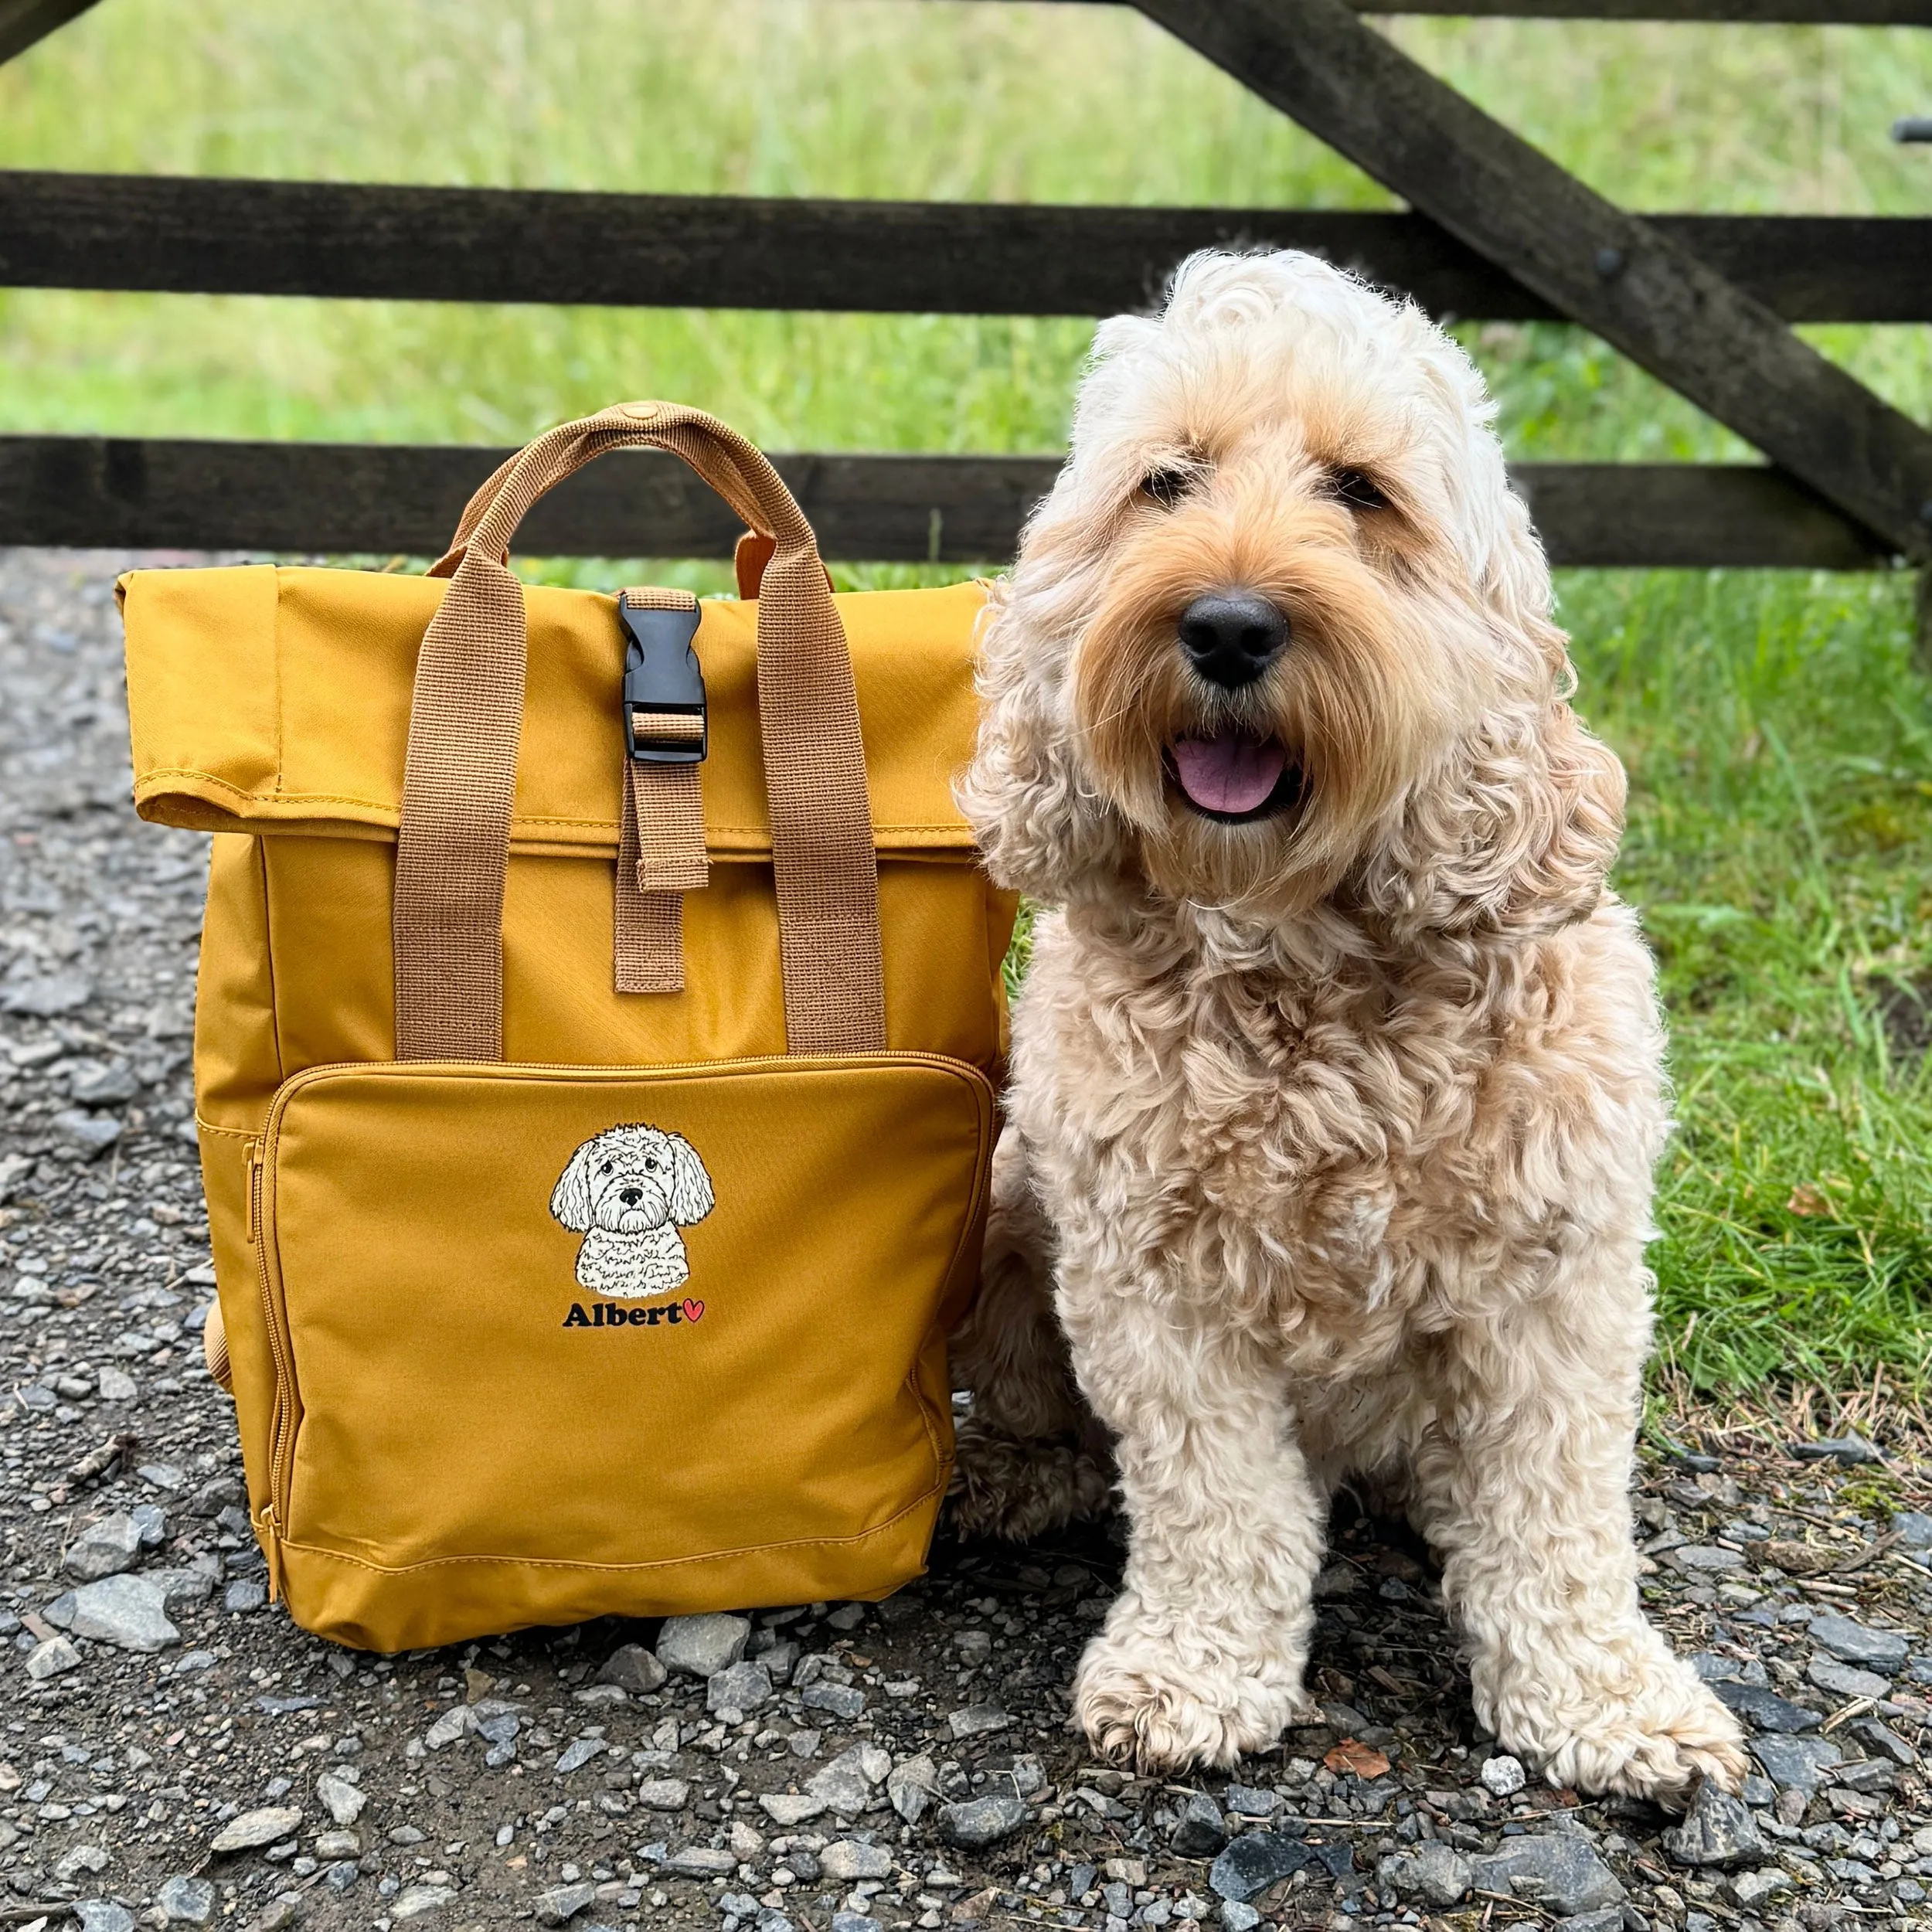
[{"x": 613, "y": 1314}]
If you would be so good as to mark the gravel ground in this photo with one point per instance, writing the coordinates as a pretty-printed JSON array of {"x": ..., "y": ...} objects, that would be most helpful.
[{"x": 173, "y": 1752}]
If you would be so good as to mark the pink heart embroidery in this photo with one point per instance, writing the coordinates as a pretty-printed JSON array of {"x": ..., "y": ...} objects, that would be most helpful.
[{"x": 692, "y": 1309}]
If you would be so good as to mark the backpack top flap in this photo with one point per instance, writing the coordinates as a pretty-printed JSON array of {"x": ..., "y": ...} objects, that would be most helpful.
[{"x": 265, "y": 699}]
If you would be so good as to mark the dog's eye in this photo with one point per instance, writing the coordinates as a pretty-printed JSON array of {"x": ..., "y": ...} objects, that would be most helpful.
[
  {"x": 1166, "y": 486},
  {"x": 1356, "y": 489},
  {"x": 650, "y": 1165},
  {"x": 605, "y": 1168}
]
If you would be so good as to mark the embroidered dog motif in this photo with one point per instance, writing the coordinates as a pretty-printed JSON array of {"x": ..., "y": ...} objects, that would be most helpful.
[{"x": 628, "y": 1192}]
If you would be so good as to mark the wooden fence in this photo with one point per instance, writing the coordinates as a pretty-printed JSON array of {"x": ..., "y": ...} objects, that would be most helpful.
[{"x": 1496, "y": 231}]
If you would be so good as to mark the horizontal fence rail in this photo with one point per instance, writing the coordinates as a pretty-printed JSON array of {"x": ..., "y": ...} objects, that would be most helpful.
[
  {"x": 112, "y": 493},
  {"x": 217, "y": 236}
]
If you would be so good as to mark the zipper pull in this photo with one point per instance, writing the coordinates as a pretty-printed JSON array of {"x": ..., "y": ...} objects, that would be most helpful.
[
  {"x": 273, "y": 1552},
  {"x": 254, "y": 1189}
]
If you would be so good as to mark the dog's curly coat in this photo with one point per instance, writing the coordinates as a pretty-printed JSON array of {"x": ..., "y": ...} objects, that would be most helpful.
[{"x": 1332, "y": 1117}]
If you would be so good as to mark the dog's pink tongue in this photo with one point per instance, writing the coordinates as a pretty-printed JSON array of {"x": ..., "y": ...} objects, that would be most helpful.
[{"x": 1228, "y": 772}]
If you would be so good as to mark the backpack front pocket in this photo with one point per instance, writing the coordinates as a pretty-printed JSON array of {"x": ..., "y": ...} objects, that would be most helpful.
[{"x": 553, "y": 1342}]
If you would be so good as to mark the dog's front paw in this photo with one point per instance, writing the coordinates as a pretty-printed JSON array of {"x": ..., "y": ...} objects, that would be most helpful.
[
  {"x": 1141, "y": 1703},
  {"x": 1656, "y": 1738},
  {"x": 1006, "y": 1487}
]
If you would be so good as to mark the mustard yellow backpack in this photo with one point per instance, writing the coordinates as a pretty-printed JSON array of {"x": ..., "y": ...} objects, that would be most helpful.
[{"x": 599, "y": 1001}]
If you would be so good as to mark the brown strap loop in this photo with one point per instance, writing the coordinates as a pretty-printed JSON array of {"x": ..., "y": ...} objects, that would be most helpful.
[
  {"x": 660, "y": 849},
  {"x": 465, "y": 721}
]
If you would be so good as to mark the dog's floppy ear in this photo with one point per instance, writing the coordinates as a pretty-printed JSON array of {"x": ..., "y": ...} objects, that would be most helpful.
[
  {"x": 1517, "y": 835},
  {"x": 691, "y": 1196},
  {"x": 570, "y": 1199}
]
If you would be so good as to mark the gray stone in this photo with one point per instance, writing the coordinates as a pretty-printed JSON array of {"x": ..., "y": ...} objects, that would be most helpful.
[
  {"x": 79, "y": 1859},
  {"x": 341, "y": 1876},
  {"x": 1703, "y": 1559},
  {"x": 1255, "y": 1860},
  {"x": 103, "y": 1915},
  {"x": 913, "y": 1787},
  {"x": 1853, "y": 1448},
  {"x": 126, "y": 1611},
  {"x": 1883, "y": 1738},
  {"x": 633, "y": 1669},
  {"x": 1718, "y": 1830},
  {"x": 663, "y": 1795},
  {"x": 1201, "y": 1831},
  {"x": 50, "y": 1657},
  {"x": 181, "y": 1589},
  {"x": 1913, "y": 1528},
  {"x": 186, "y": 1901},
  {"x": 1610, "y": 1919},
  {"x": 1795, "y": 1763},
  {"x": 1503, "y": 1776},
  {"x": 151, "y": 1524},
  {"x": 563, "y": 1903},
  {"x": 1561, "y": 1872},
  {"x": 244, "y": 1594},
  {"x": 982, "y": 1821},
  {"x": 338, "y": 1844},
  {"x": 266, "y": 1826},
  {"x": 701, "y": 1861},
  {"x": 115, "y": 1385},
  {"x": 457, "y": 1722},
  {"x": 837, "y": 1700},
  {"x": 45, "y": 996},
  {"x": 92, "y": 1133},
  {"x": 415, "y": 1900},
  {"x": 978, "y": 1720},
  {"x": 1237, "y": 1917},
  {"x": 1765, "y": 1710},
  {"x": 98, "y": 1083},
  {"x": 1432, "y": 1872},
  {"x": 1751, "y": 1891},
  {"x": 1246, "y": 1802},
  {"x": 1842, "y": 1680},
  {"x": 846, "y": 1859},
  {"x": 789, "y": 1809},
  {"x": 703, "y": 1646},
  {"x": 104, "y": 1548},
  {"x": 743, "y": 1687},
  {"x": 847, "y": 1782},
  {"x": 577, "y": 1753},
  {"x": 218, "y": 1493},
  {"x": 853, "y": 1922},
  {"x": 1852, "y": 1643},
  {"x": 342, "y": 1799}
]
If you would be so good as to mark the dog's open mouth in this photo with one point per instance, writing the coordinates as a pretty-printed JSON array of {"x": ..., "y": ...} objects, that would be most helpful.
[{"x": 1233, "y": 777}]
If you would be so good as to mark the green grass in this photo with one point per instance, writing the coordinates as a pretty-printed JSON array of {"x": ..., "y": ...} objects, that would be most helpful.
[{"x": 1779, "y": 740}]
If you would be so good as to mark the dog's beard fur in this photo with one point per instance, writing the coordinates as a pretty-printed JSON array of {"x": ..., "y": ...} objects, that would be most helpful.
[{"x": 1357, "y": 700}]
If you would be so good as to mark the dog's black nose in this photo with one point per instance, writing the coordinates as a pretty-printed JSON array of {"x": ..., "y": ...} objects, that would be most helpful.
[
  {"x": 1232, "y": 637},
  {"x": 630, "y": 1196}
]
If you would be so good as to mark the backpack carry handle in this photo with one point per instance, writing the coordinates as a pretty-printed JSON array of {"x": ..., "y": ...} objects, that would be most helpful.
[{"x": 466, "y": 719}]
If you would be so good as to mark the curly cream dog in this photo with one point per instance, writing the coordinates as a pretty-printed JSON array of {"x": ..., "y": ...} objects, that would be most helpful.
[
  {"x": 627, "y": 1191},
  {"x": 1336, "y": 1077}
]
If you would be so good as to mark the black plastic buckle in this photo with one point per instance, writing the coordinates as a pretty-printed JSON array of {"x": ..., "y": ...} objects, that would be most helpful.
[{"x": 662, "y": 674}]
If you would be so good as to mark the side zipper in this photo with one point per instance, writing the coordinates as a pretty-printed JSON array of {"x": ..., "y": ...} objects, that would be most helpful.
[
  {"x": 284, "y": 1373},
  {"x": 272, "y": 1526}
]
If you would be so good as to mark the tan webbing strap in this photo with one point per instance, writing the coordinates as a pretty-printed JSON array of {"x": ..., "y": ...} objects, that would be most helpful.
[
  {"x": 465, "y": 722},
  {"x": 661, "y": 853}
]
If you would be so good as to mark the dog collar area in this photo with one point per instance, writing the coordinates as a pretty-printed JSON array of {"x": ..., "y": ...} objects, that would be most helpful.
[{"x": 665, "y": 719}]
